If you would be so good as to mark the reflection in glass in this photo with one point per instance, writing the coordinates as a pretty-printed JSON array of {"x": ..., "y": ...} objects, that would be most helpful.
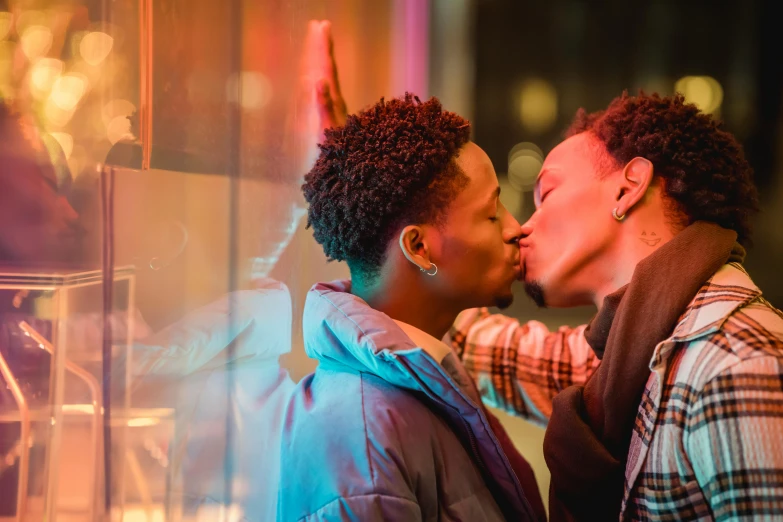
[{"x": 142, "y": 334}]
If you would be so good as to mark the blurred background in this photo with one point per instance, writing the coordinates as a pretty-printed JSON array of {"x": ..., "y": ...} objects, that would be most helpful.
[{"x": 154, "y": 256}]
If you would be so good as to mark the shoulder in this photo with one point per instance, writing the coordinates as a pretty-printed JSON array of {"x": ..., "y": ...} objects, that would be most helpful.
[
  {"x": 352, "y": 434},
  {"x": 748, "y": 340},
  {"x": 752, "y": 331},
  {"x": 356, "y": 402}
]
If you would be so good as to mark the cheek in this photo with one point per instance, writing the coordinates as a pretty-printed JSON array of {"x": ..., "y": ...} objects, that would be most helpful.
[
  {"x": 570, "y": 219},
  {"x": 567, "y": 236},
  {"x": 466, "y": 260}
]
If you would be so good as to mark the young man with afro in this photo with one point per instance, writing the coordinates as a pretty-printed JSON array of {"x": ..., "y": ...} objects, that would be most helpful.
[
  {"x": 671, "y": 399},
  {"x": 390, "y": 426}
]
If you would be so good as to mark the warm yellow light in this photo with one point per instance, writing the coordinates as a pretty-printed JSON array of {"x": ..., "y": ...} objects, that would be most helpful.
[
  {"x": 525, "y": 148},
  {"x": 87, "y": 409},
  {"x": 213, "y": 512},
  {"x": 141, "y": 422},
  {"x": 143, "y": 514},
  {"x": 66, "y": 142},
  {"x": 116, "y": 108},
  {"x": 538, "y": 105},
  {"x": 43, "y": 75},
  {"x": 95, "y": 47},
  {"x": 5, "y": 24},
  {"x": 68, "y": 90},
  {"x": 511, "y": 198},
  {"x": 36, "y": 41},
  {"x": 118, "y": 129},
  {"x": 56, "y": 116},
  {"x": 524, "y": 163},
  {"x": 703, "y": 91},
  {"x": 252, "y": 91}
]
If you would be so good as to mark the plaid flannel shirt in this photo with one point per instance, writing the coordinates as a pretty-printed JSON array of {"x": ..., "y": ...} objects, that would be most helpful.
[{"x": 708, "y": 439}]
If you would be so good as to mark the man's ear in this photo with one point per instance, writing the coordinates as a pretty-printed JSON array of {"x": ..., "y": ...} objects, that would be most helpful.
[
  {"x": 637, "y": 177},
  {"x": 413, "y": 244}
]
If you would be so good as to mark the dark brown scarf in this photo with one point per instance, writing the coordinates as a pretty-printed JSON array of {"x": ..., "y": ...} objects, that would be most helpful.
[{"x": 589, "y": 433}]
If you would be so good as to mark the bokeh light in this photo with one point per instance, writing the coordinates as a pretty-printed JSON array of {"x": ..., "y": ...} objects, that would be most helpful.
[
  {"x": 116, "y": 108},
  {"x": 252, "y": 91},
  {"x": 118, "y": 129},
  {"x": 95, "y": 47},
  {"x": 703, "y": 91},
  {"x": 66, "y": 142},
  {"x": 538, "y": 105},
  {"x": 68, "y": 90},
  {"x": 511, "y": 198},
  {"x": 56, "y": 116},
  {"x": 524, "y": 163},
  {"x": 36, "y": 41},
  {"x": 43, "y": 75}
]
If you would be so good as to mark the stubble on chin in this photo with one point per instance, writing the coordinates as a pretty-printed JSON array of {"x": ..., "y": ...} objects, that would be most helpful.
[{"x": 535, "y": 291}]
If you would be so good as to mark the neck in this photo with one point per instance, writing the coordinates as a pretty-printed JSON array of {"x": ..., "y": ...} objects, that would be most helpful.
[
  {"x": 637, "y": 243},
  {"x": 416, "y": 308}
]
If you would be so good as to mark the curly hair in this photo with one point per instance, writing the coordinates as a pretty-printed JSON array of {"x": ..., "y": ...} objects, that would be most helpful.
[
  {"x": 704, "y": 171},
  {"x": 389, "y": 166}
]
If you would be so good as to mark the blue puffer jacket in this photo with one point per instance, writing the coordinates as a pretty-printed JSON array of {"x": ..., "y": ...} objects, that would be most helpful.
[{"x": 381, "y": 431}]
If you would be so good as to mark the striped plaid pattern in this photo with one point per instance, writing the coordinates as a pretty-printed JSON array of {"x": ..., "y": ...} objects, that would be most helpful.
[{"x": 708, "y": 438}]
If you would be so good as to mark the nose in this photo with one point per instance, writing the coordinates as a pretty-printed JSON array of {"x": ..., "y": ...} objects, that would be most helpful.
[{"x": 527, "y": 227}]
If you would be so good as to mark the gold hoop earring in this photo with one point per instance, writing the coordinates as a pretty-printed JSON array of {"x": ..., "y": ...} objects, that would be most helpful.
[
  {"x": 428, "y": 273},
  {"x": 614, "y": 215}
]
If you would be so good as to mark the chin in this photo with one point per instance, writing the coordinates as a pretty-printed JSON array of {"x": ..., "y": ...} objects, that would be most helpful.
[
  {"x": 535, "y": 291},
  {"x": 504, "y": 301}
]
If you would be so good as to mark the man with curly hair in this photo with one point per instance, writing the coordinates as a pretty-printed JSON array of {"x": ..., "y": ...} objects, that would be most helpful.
[
  {"x": 669, "y": 404},
  {"x": 390, "y": 426}
]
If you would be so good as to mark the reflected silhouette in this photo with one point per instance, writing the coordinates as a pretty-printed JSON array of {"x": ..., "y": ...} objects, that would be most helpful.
[
  {"x": 38, "y": 227},
  {"x": 183, "y": 366},
  {"x": 217, "y": 364},
  {"x": 197, "y": 324},
  {"x": 188, "y": 359},
  {"x": 37, "y": 223}
]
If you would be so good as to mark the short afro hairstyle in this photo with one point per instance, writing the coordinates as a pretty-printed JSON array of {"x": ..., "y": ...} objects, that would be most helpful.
[
  {"x": 389, "y": 166},
  {"x": 705, "y": 174}
]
